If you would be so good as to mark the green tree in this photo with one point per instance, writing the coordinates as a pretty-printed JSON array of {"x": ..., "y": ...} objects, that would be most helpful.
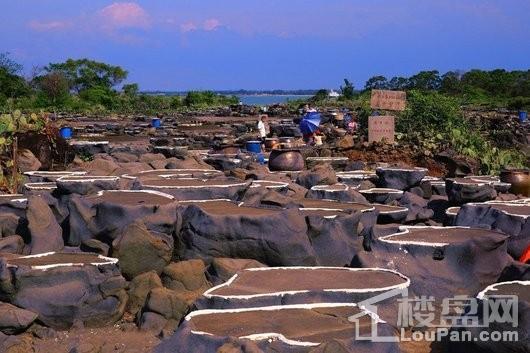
[
  {"x": 320, "y": 95},
  {"x": 176, "y": 102},
  {"x": 376, "y": 82},
  {"x": 99, "y": 95},
  {"x": 84, "y": 74},
  {"x": 12, "y": 85},
  {"x": 196, "y": 98},
  {"x": 451, "y": 83},
  {"x": 426, "y": 80},
  {"x": 130, "y": 89},
  {"x": 54, "y": 86},
  {"x": 347, "y": 90},
  {"x": 398, "y": 83},
  {"x": 9, "y": 65}
]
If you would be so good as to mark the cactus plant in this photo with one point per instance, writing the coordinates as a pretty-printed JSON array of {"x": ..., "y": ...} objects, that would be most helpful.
[{"x": 10, "y": 125}]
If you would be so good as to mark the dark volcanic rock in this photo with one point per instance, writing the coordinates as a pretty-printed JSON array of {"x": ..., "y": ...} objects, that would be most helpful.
[
  {"x": 223, "y": 162},
  {"x": 456, "y": 165},
  {"x": 140, "y": 251},
  {"x": 66, "y": 288},
  {"x": 337, "y": 192},
  {"x": 494, "y": 296},
  {"x": 167, "y": 303},
  {"x": 318, "y": 175},
  {"x": 139, "y": 289},
  {"x": 151, "y": 157},
  {"x": 400, "y": 178},
  {"x": 441, "y": 261},
  {"x": 100, "y": 166},
  {"x": 16, "y": 344},
  {"x": 95, "y": 246},
  {"x": 381, "y": 195},
  {"x": 460, "y": 191},
  {"x": 26, "y": 161},
  {"x": 13, "y": 205},
  {"x": 273, "y": 237},
  {"x": 257, "y": 197},
  {"x": 12, "y": 244},
  {"x": 124, "y": 157},
  {"x": 186, "y": 278},
  {"x": 103, "y": 216},
  {"x": 45, "y": 232},
  {"x": 14, "y": 320},
  {"x": 9, "y": 223},
  {"x": 151, "y": 321},
  {"x": 511, "y": 219},
  {"x": 418, "y": 207},
  {"x": 86, "y": 185},
  {"x": 224, "y": 268}
]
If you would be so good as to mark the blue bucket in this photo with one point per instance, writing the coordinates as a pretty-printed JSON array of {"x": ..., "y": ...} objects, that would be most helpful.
[
  {"x": 253, "y": 146},
  {"x": 65, "y": 132},
  {"x": 260, "y": 158},
  {"x": 156, "y": 123},
  {"x": 523, "y": 115}
]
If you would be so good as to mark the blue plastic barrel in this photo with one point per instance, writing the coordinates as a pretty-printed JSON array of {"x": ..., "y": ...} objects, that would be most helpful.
[
  {"x": 523, "y": 115},
  {"x": 253, "y": 146},
  {"x": 65, "y": 132},
  {"x": 156, "y": 123}
]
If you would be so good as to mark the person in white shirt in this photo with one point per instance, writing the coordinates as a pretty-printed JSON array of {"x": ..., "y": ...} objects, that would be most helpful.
[{"x": 263, "y": 128}]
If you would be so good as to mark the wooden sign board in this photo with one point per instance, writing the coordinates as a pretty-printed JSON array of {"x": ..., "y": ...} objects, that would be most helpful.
[
  {"x": 388, "y": 100},
  {"x": 381, "y": 128}
]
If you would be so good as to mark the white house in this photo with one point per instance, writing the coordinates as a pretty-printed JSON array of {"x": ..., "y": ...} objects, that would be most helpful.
[{"x": 333, "y": 94}]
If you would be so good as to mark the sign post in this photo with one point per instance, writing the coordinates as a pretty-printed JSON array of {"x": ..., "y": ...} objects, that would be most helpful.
[
  {"x": 388, "y": 100},
  {"x": 382, "y": 128}
]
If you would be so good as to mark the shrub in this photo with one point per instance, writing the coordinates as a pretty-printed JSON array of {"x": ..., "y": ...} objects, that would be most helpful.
[{"x": 435, "y": 121}]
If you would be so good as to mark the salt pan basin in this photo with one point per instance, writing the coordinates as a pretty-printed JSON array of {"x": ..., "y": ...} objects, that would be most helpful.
[
  {"x": 286, "y": 329},
  {"x": 198, "y": 189},
  {"x": 268, "y": 286},
  {"x": 440, "y": 261}
]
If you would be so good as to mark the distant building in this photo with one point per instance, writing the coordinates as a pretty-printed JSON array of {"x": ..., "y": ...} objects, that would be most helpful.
[{"x": 333, "y": 94}]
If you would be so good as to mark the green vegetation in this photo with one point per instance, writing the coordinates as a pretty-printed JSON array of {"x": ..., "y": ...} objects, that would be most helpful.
[
  {"x": 348, "y": 92},
  {"x": 207, "y": 98},
  {"x": 435, "y": 122},
  {"x": 434, "y": 119},
  {"x": 488, "y": 89},
  {"x": 10, "y": 126},
  {"x": 90, "y": 87},
  {"x": 475, "y": 88}
]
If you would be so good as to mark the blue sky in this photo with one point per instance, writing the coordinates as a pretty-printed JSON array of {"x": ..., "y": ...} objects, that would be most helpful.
[{"x": 267, "y": 44}]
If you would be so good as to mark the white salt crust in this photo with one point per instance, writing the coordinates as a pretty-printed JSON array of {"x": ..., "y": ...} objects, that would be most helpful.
[
  {"x": 105, "y": 261},
  {"x": 406, "y": 230},
  {"x": 167, "y": 173},
  {"x": 328, "y": 188},
  {"x": 493, "y": 288}
]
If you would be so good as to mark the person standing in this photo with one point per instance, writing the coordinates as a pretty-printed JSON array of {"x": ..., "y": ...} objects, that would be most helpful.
[{"x": 263, "y": 128}]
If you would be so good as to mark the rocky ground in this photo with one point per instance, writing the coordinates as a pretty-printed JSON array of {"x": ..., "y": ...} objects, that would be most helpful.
[{"x": 136, "y": 227}]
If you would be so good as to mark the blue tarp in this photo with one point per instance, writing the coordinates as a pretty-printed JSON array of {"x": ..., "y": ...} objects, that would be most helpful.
[{"x": 310, "y": 123}]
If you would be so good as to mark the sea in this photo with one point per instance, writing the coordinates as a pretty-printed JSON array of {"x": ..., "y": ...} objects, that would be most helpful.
[{"x": 264, "y": 99}]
